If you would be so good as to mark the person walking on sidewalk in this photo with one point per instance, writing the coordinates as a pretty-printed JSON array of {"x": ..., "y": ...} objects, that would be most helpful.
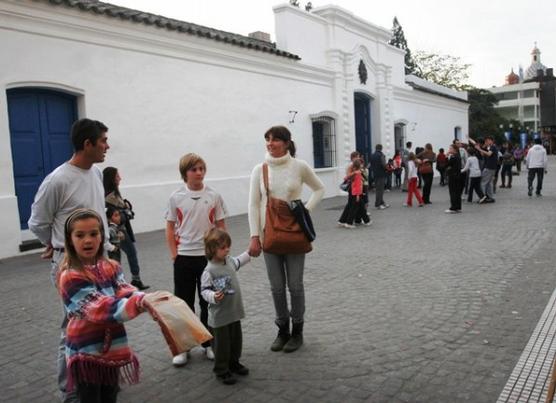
[
  {"x": 472, "y": 167},
  {"x": 454, "y": 179},
  {"x": 378, "y": 167},
  {"x": 405, "y": 159},
  {"x": 427, "y": 158},
  {"x": 286, "y": 175},
  {"x": 412, "y": 184},
  {"x": 74, "y": 184},
  {"x": 537, "y": 162},
  {"x": 441, "y": 163},
  {"x": 490, "y": 154}
]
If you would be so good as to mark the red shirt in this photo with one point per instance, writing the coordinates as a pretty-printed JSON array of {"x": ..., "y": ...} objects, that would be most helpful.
[{"x": 357, "y": 184}]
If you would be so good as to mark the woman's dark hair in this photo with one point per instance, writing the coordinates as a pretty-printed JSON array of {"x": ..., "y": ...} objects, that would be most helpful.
[
  {"x": 471, "y": 151},
  {"x": 440, "y": 150},
  {"x": 396, "y": 153},
  {"x": 282, "y": 133},
  {"x": 109, "y": 181}
]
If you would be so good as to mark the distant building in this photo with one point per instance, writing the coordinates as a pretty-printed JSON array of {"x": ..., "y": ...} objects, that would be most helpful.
[
  {"x": 530, "y": 98},
  {"x": 519, "y": 97}
]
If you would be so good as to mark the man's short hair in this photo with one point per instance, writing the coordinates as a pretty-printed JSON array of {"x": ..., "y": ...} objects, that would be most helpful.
[
  {"x": 187, "y": 162},
  {"x": 378, "y": 147},
  {"x": 408, "y": 144},
  {"x": 86, "y": 129},
  {"x": 489, "y": 138},
  {"x": 538, "y": 140}
]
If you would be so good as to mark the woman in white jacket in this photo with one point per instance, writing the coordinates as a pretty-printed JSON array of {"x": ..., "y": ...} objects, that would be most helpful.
[{"x": 286, "y": 178}]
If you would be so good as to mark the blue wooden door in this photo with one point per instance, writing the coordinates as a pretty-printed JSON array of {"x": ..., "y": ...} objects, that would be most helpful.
[
  {"x": 40, "y": 123},
  {"x": 362, "y": 108}
]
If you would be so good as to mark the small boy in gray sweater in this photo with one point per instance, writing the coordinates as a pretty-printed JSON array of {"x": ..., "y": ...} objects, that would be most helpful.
[{"x": 220, "y": 288}]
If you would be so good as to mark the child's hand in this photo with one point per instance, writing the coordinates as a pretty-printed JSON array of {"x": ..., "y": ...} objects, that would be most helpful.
[{"x": 218, "y": 296}]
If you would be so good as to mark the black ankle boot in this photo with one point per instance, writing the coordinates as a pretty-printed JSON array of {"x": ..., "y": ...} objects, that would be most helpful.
[
  {"x": 296, "y": 340},
  {"x": 282, "y": 338}
]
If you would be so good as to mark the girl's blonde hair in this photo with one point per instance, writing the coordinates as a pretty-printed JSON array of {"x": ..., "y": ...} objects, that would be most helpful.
[
  {"x": 411, "y": 156},
  {"x": 70, "y": 258},
  {"x": 215, "y": 238}
]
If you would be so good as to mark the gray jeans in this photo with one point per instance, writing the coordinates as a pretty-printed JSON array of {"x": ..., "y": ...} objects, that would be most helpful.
[
  {"x": 61, "y": 358},
  {"x": 282, "y": 270},
  {"x": 379, "y": 191},
  {"x": 487, "y": 178}
]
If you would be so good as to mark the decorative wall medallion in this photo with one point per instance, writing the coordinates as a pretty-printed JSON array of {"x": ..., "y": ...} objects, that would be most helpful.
[{"x": 362, "y": 72}]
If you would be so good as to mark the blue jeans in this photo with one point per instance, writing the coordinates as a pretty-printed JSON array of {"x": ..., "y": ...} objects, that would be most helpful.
[
  {"x": 287, "y": 270},
  {"x": 128, "y": 246}
]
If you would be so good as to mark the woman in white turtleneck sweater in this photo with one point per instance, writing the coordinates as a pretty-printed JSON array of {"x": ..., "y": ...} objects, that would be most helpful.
[{"x": 286, "y": 176}]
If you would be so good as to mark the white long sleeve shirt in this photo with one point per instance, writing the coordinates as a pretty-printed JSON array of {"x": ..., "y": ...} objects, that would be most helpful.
[
  {"x": 64, "y": 190},
  {"x": 536, "y": 157},
  {"x": 286, "y": 176},
  {"x": 472, "y": 165}
]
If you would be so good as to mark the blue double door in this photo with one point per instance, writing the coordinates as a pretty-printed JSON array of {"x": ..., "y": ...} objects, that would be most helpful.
[
  {"x": 40, "y": 124},
  {"x": 362, "y": 109}
]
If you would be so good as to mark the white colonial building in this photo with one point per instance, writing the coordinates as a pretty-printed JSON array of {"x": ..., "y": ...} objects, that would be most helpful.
[{"x": 166, "y": 87}]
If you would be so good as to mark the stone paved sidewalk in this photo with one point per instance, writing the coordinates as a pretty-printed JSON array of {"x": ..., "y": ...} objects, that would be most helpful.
[{"x": 420, "y": 307}]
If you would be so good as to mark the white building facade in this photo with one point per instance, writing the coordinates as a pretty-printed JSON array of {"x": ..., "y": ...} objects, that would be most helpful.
[{"x": 165, "y": 88}]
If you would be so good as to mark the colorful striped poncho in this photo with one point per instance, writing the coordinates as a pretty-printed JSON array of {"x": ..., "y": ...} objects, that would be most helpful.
[{"x": 98, "y": 301}]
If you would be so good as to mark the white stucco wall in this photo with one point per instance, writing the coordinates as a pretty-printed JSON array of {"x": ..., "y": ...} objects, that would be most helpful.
[{"x": 163, "y": 94}]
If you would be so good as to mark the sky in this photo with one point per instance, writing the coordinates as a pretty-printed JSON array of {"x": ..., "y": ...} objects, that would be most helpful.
[{"x": 491, "y": 35}]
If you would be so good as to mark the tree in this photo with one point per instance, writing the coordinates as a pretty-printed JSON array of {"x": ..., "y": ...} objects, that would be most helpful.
[
  {"x": 398, "y": 40},
  {"x": 444, "y": 70},
  {"x": 483, "y": 118}
]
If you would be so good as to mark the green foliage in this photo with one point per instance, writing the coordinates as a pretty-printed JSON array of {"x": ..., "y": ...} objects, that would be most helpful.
[
  {"x": 483, "y": 118},
  {"x": 445, "y": 70},
  {"x": 398, "y": 40}
]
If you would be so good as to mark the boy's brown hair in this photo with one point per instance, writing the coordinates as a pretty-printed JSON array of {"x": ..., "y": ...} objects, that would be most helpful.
[
  {"x": 215, "y": 238},
  {"x": 187, "y": 162}
]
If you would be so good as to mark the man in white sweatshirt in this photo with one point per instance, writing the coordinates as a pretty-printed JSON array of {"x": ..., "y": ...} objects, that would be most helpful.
[{"x": 536, "y": 161}]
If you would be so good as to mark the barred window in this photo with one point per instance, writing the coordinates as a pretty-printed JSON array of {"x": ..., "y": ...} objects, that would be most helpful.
[{"x": 324, "y": 142}]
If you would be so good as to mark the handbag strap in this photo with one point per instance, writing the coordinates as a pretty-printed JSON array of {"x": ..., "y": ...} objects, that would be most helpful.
[{"x": 265, "y": 179}]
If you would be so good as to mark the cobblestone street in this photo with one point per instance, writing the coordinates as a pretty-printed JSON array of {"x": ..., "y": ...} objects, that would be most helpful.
[{"x": 420, "y": 307}]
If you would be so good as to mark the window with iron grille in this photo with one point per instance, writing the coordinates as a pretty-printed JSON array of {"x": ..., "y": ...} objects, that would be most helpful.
[{"x": 324, "y": 142}]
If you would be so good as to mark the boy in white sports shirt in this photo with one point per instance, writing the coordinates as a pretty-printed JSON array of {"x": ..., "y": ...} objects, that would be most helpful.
[{"x": 193, "y": 209}]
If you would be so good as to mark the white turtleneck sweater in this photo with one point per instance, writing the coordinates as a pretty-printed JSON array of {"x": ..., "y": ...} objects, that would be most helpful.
[{"x": 286, "y": 176}]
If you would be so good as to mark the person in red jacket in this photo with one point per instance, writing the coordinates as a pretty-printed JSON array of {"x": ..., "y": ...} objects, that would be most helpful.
[{"x": 356, "y": 211}]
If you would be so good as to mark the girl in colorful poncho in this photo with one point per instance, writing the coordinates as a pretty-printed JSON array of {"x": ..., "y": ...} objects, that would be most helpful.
[{"x": 97, "y": 301}]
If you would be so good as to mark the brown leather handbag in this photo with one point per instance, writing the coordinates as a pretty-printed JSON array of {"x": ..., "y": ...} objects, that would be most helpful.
[{"x": 282, "y": 233}]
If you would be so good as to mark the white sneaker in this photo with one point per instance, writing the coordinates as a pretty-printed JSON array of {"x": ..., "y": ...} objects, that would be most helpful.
[
  {"x": 368, "y": 224},
  {"x": 349, "y": 226},
  {"x": 180, "y": 360},
  {"x": 210, "y": 353},
  {"x": 450, "y": 211},
  {"x": 381, "y": 207}
]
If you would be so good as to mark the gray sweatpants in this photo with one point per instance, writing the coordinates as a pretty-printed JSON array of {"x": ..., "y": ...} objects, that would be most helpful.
[{"x": 487, "y": 179}]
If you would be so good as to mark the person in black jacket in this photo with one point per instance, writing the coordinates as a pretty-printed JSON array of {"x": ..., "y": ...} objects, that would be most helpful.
[
  {"x": 453, "y": 172},
  {"x": 378, "y": 167}
]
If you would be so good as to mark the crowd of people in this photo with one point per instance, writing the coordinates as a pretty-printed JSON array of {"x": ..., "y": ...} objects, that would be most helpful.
[
  {"x": 467, "y": 169},
  {"x": 85, "y": 223}
]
